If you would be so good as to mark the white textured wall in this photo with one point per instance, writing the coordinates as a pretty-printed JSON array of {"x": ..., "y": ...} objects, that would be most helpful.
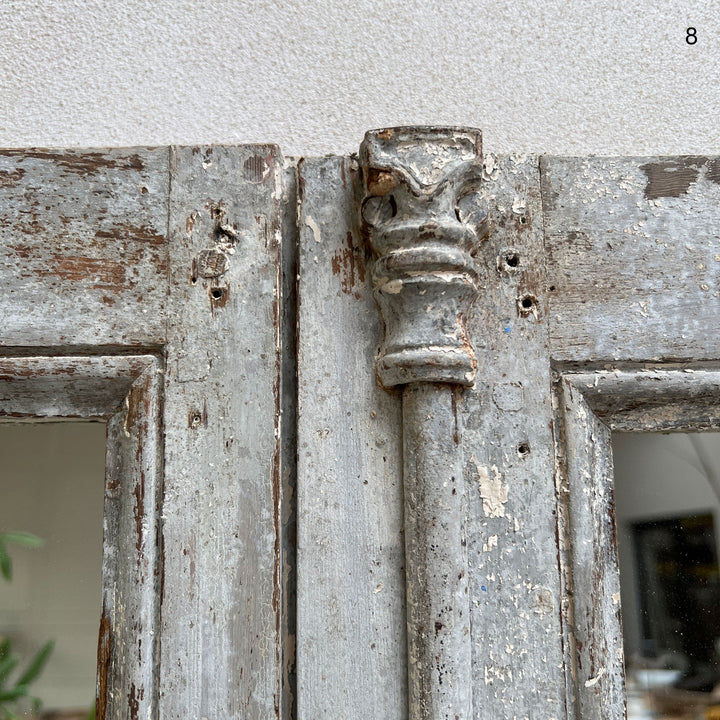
[{"x": 558, "y": 76}]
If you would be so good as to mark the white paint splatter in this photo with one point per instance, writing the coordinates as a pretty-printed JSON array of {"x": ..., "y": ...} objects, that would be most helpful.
[
  {"x": 314, "y": 227},
  {"x": 491, "y": 543},
  {"x": 594, "y": 681},
  {"x": 492, "y": 490},
  {"x": 392, "y": 286}
]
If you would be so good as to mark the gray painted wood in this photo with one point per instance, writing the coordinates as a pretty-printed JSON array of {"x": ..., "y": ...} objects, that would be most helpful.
[
  {"x": 658, "y": 399},
  {"x": 624, "y": 286},
  {"x": 351, "y": 643},
  {"x": 589, "y": 405},
  {"x": 633, "y": 257},
  {"x": 509, "y": 462},
  {"x": 437, "y": 608},
  {"x": 128, "y": 656},
  {"x": 588, "y": 549},
  {"x": 69, "y": 387},
  {"x": 220, "y": 649},
  {"x": 83, "y": 257},
  {"x": 421, "y": 214}
]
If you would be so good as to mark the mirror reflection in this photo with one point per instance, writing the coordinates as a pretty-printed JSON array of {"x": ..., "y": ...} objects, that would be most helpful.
[
  {"x": 51, "y": 508},
  {"x": 667, "y": 494}
]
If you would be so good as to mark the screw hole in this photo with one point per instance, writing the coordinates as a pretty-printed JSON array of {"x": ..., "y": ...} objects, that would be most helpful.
[
  {"x": 523, "y": 220},
  {"x": 217, "y": 293},
  {"x": 527, "y": 302},
  {"x": 523, "y": 449},
  {"x": 513, "y": 260}
]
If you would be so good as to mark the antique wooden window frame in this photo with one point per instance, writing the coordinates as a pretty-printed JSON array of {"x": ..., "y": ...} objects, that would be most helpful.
[
  {"x": 126, "y": 393},
  {"x": 590, "y": 405}
]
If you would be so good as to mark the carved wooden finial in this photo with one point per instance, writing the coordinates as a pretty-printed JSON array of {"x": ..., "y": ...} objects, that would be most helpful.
[{"x": 422, "y": 215}]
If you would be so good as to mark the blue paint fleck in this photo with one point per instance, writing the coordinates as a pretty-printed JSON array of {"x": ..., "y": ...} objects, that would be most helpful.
[
  {"x": 507, "y": 329},
  {"x": 483, "y": 588}
]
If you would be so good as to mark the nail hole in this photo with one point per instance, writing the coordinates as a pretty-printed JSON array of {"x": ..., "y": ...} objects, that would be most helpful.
[
  {"x": 143, "y": 190},
  {"x": 194, "y": 420},
  {"x": 508, "y": 262},
  {"x": 527, "y": 305},
  {"x": 552, "y": 288},
  {"x": 523, "y": 449},
  {"x": 523, "y": 220}
]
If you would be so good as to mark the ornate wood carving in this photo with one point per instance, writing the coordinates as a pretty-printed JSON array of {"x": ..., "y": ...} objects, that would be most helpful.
[
  {"x": 423, "y": 217},
  {"x": 421, "y": 213}
]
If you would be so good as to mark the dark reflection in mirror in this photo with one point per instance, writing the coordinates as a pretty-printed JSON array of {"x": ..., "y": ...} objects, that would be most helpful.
[
  {"x": 51, "y": 488},
  {"x": 667, "y": 493}
]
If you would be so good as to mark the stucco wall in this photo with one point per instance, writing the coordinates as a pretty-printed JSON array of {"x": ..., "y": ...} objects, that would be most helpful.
[{"x": 556, "y": 76}]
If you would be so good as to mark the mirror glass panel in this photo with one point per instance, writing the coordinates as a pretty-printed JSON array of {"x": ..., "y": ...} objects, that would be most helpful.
[
  {"x": 667, "y": 495},
  {"x": 51, "y": 509}
]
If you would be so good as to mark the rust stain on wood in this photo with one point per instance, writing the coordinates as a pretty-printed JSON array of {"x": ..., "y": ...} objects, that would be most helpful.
[
  {"x": 349, "y": 265},
  {"x": 101, "y": 273},
  {"x": 105, "y": 649},
  {"x": 671, "y": 178},
  {"x": 219, "y": 297},
  {"x": 11, "y": 177},
  {"x": 82, "y": 163},
  {"x": 133, "y": 702},
  {"x": 133, "y": 402},
  {"x": 127, "y": 231}
]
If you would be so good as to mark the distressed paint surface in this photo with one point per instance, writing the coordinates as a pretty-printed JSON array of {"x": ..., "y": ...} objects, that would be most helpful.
[
  {"x": 221, "y": 651},
  {"x": 83, "y": 252},
  {"x": 589, "y": 404},
  {"x": 509, "y": 465},
  {"x": 623, "y": 295},
  {"x": 78, "y": 387},
  {"x": 351, "y": 644},
  {"x": 126, "y": 391},
  {"x": 423, "y": 216},
  {"x": 633, "y": 258},
  {"x": 588, "y": 552},
  {"x": 128, "y": 648},
  {"x": 437, "y": 609}
]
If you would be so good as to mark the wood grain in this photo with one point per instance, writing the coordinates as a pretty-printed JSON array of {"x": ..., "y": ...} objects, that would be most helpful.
[
  {"x": 83, "y": 252},
  {"x": 633, "y": 258},
  {"x": 509, "y": 462},
  {"x": 221, "y": 650},
  {"x": 351, "y": 643}
]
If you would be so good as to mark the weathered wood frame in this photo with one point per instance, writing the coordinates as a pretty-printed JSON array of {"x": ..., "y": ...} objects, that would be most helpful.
[
  {"x": 172, "y": 254},
  {"x": 126, "y": 393},
  {"x": 186, "y": 256},
  {"x": 589, "y": 405}
]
